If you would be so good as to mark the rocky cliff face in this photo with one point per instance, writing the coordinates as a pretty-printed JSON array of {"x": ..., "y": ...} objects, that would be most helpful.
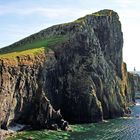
[
  {"x": 22, "y": 98},
  {"x": 82, "y": 77},
  {"x": 130, "y": 84},
  {"x": 134, "y": 84}
]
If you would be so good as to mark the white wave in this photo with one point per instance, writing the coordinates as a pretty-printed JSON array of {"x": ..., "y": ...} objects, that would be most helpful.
[
  {"x": 16, "y": 127},
  {"x": 137, "y": 104}
]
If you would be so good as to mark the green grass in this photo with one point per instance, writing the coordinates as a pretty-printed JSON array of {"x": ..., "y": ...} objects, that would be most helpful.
[
  {"x": 33, "y": 48},
  {"x": 97, "y": 14},
  {"x": 41, "y": 135},
  {"x": 49, "y": 134},
  {"x": 30, "y": 52}
]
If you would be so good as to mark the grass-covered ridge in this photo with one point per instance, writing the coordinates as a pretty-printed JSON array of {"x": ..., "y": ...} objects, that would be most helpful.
[
  {"x": 35, "y": 43},
  {"x": 100, "y": 13},
  {"x": 32, "y": 48}
]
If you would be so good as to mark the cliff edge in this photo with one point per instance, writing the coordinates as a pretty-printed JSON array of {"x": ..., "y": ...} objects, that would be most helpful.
[{"x": 71, "y": 71}]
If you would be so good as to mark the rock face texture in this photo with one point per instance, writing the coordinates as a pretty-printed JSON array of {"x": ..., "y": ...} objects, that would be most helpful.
[
  {"x": 134, "y": 85},
  {"x": 82, "y": 80},
  {"x": 131, "y": 84},
  {"x": 22, "y": 98}
]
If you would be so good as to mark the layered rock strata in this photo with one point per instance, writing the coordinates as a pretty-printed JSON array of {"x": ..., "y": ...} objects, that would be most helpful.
[{"x": 81, "y": 80}]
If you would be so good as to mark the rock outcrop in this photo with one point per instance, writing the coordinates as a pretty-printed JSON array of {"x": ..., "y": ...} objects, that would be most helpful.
[
  {"x": 131, "y": 84},
  {"x": 82, "y": 81},
  {"x": 134, "y": 84}
]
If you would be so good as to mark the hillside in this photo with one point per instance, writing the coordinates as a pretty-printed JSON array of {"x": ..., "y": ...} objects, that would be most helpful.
[{"x": 72, "y": 71}]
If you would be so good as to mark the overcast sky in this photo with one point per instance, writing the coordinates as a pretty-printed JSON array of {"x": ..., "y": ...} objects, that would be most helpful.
[{"x": 20, "y": 18}]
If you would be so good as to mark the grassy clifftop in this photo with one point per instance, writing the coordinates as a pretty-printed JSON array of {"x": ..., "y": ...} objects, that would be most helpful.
[
  {"x": 32, "y": 48},
  {"x": 44, "y": 40}
]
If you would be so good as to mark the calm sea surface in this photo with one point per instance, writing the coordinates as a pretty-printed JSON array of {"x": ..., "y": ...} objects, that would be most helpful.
[{"x": 116, "y": 129}]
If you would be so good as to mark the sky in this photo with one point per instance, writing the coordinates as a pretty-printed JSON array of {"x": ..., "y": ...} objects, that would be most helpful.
[{"x": 20, "y": 18}]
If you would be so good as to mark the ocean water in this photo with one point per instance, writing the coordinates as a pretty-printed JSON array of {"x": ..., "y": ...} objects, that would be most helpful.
[{"x": 115, "y": 129}]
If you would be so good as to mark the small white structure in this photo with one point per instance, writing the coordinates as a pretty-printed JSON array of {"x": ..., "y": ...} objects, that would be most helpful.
[{"x": 134, "y": 70}]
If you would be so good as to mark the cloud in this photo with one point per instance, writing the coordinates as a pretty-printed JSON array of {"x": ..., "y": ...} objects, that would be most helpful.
[
  {"x": 33, "y": 18},
  {"x": 14, "y": 32},
  {"x": 126, "y": 3},
  {"x": 51, "y": 13},
  {"x": 130, "y": 14}
]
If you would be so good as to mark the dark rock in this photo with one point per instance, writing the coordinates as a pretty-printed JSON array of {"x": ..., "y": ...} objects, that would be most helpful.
[
  {"x": 134, "y": 80},
  {"x": 84, "y": 77},
  {"x": 30, "y": 138},
  {"x": 53, "y": 127},
  {"x": 64, "y": 125}
]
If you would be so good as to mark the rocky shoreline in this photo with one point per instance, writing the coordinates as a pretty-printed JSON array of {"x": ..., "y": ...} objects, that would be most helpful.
[
  {"x": 6, "y": 133},
  {"x": 84, "y": 80}
]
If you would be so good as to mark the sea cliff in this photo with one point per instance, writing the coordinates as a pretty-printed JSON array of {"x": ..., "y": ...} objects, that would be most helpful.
[{"x": 73, "y": 72}]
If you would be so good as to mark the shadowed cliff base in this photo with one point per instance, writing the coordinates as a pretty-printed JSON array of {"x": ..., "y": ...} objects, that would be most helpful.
[{"x": 73, "y": 72}]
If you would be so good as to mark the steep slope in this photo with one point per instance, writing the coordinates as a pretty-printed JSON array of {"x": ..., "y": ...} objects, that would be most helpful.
[
  {"x": 75, "y": 68},
  {"x": 134, "y": 84}
]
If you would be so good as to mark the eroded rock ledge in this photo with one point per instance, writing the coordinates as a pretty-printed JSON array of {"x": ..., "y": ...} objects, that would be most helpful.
[{"x": 82, "y": 80}]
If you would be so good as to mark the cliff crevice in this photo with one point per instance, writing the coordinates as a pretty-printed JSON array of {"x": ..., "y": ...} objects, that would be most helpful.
[{"x": 77, "y": 75}]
